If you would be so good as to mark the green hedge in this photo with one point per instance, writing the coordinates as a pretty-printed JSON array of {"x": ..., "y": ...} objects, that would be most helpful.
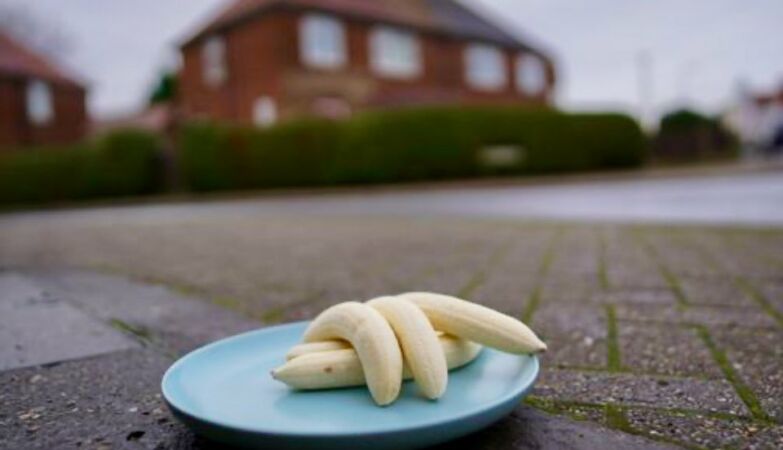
[
  {"x": 433, "y": 143},
  {"x": 118, "y": 164},
  {"x": 688, "y": 135}
]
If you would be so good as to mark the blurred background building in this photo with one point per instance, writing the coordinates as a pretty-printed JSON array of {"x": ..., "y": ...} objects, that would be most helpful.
[
  {"x": 758, "y": 121},
  {"x": 259, "y": 61},
  {"x": 39, "y": 102}
]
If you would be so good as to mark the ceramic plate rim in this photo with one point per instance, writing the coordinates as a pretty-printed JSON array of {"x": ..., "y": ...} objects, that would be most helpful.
[{"x": 170, "y": 400}]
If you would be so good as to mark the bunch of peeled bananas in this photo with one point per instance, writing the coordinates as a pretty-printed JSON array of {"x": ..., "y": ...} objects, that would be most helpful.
[{"x": 385, "y": 340}]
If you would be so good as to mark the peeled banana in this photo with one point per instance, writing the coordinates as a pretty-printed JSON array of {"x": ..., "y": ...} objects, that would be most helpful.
[
  {"x": 373, "y": 339},
  {"x": 419, "y": 343},
  {"x": 477, "y": 323},
  {"x": 329, "y": 369},
  {"x": 416, "y": 335},
  {"x": 314, "y": 347}
]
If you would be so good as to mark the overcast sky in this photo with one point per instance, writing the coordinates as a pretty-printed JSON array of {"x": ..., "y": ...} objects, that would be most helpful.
[{"x": 693, "y": 52}]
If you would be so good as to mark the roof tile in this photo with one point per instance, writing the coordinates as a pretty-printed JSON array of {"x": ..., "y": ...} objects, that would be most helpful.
[
  {"x": 445, "y": 16},
  {"x": 19, "y": 60}
]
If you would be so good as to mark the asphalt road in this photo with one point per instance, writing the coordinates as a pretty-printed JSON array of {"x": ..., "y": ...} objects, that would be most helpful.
[{"x": 748, "y": 199}]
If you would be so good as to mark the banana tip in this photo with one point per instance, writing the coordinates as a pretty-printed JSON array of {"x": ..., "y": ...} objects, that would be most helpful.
[{"x": 539, "y": 348}]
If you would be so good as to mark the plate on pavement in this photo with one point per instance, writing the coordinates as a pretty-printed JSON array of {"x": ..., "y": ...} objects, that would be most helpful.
[{"x": 224, "y": 391}]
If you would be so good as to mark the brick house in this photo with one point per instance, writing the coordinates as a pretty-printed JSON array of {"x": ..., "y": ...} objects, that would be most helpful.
[
  {"x": 259, "y": 61},
  {"x": 39, "y": 103}
]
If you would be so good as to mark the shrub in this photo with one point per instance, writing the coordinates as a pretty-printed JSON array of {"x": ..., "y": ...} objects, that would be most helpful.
[
  {"x": 224, "y": 157},
  {"x": 120, "y": 163},
  {"x": 404, "y": 145},
  {"x": 685, "y": 134}
]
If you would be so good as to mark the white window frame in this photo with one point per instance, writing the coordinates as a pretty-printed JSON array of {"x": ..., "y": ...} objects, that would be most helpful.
[
  {"x": 485, "y": 67},
  {"x": 265, "y": 111},
  {"x": 531, "y": 74},
  {"x": 39, "y": 102},
  {"x": 214, "y": 61},
  {"x": 395, "y": 53},
  {"x": 322, "y": 41}
]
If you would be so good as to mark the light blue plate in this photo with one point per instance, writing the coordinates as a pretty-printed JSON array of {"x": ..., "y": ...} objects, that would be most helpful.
[{"x": 224, "y": 391}]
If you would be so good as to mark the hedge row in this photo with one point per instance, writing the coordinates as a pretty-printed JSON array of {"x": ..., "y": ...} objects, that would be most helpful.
[
  {"x": 433, "y": 143},
  {"x": 687, "y": 135},
  {"x": 119, "y": 164}
]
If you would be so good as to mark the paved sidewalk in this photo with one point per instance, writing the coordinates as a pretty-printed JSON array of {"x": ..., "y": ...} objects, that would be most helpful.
[{"x": 658, "y": 336}]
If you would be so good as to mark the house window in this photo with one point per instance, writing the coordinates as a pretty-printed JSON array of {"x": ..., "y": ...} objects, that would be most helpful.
[
  {"x": 395, "y": 53},
  {"x": 213, "y": 57},
  {"x": 39, "y": 103},
  {"x": 531, "y": 77},
  {"x": 322, "y": 42},
  {"x": 264, "y": 111},
  {"x": 485, "y": 67}
]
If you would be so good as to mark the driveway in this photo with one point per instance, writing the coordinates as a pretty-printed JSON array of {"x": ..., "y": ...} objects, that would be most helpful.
[{"x": 658, "y": 335}]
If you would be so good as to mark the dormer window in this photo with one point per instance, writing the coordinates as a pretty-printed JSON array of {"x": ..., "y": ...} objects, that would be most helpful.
[
  {"x": 39, "y": 103},
  {"x": 322, "y": 42},
  {"x": 395, "y": 53},
  {"x": 531, "y": 76},
  {"x": 485, "y": 67},
  {"x": 215, "y": 69}
]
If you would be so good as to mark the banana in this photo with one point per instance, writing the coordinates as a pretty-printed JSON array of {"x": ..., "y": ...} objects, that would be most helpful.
[
  {"x": 314, "y": 347},
  {"x": 477, "y": 323},
  {"x": 374, "y": 341},
  {"x": 419, "y": 343},
  {"x": 330, "y": 369},
  {"x": 325, "y": 346}
]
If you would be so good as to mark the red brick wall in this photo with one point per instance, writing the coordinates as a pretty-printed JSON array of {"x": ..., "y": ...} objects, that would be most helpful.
[
  {"x": 67, "y": 126},
  {"x": 255, "y": 56},
  {"x": 11, "y": 113},
  {"x": 263, "y": 56}
]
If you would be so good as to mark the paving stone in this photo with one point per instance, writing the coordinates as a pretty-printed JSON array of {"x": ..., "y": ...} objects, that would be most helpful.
[
  {"x": 111, "y": 401},
  {"x": 705, "y": 315},
  {"x": 757, "y": 356},
  {"x": 655, "y": 296},
  {"x": 568, "y": 290},
  {"x": 576, "y": 336},
  {"x": 665, "y": 349},
  {"x": 714, "y": 291},
  {"x": 505, "y": 290},
  {"x": 629, "y": 264},
  {"x": 290, "y": 263},
  {"x": 38, "y": 328},
  {"x": 772, "y": 292},
  {"x": 647, "y": 278},
  {"x": 683, "y": 255},
  {"x": 769, "y": 437},
  {"x": 640, "y": 390},
  {"x": 527, "y": 428},
  {"x": 705, "y": 431},
  {"x": 177, "y": 322}
]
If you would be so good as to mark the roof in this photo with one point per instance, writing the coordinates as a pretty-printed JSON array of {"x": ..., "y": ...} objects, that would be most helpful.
[
  {"x": 770, "y": 98},
  {"x": 441, "y": 16},
  {"x": 18, "y": 60}
]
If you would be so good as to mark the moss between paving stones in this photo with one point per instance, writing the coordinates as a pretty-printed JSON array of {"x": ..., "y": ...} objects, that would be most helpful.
[
  {"x": 603, "y": 270},
  {"x": 670, "y": 278},
  {"x": 745, "y": 393},
  {"x": 759, "y": 297},
  {"x": 589, "y": 413},
  {"x": 543, "y": 270},
  {"x": 481, "y": 275},
  {"x": 613, "y": 361},
  {"x": 745, "y": 285}
]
